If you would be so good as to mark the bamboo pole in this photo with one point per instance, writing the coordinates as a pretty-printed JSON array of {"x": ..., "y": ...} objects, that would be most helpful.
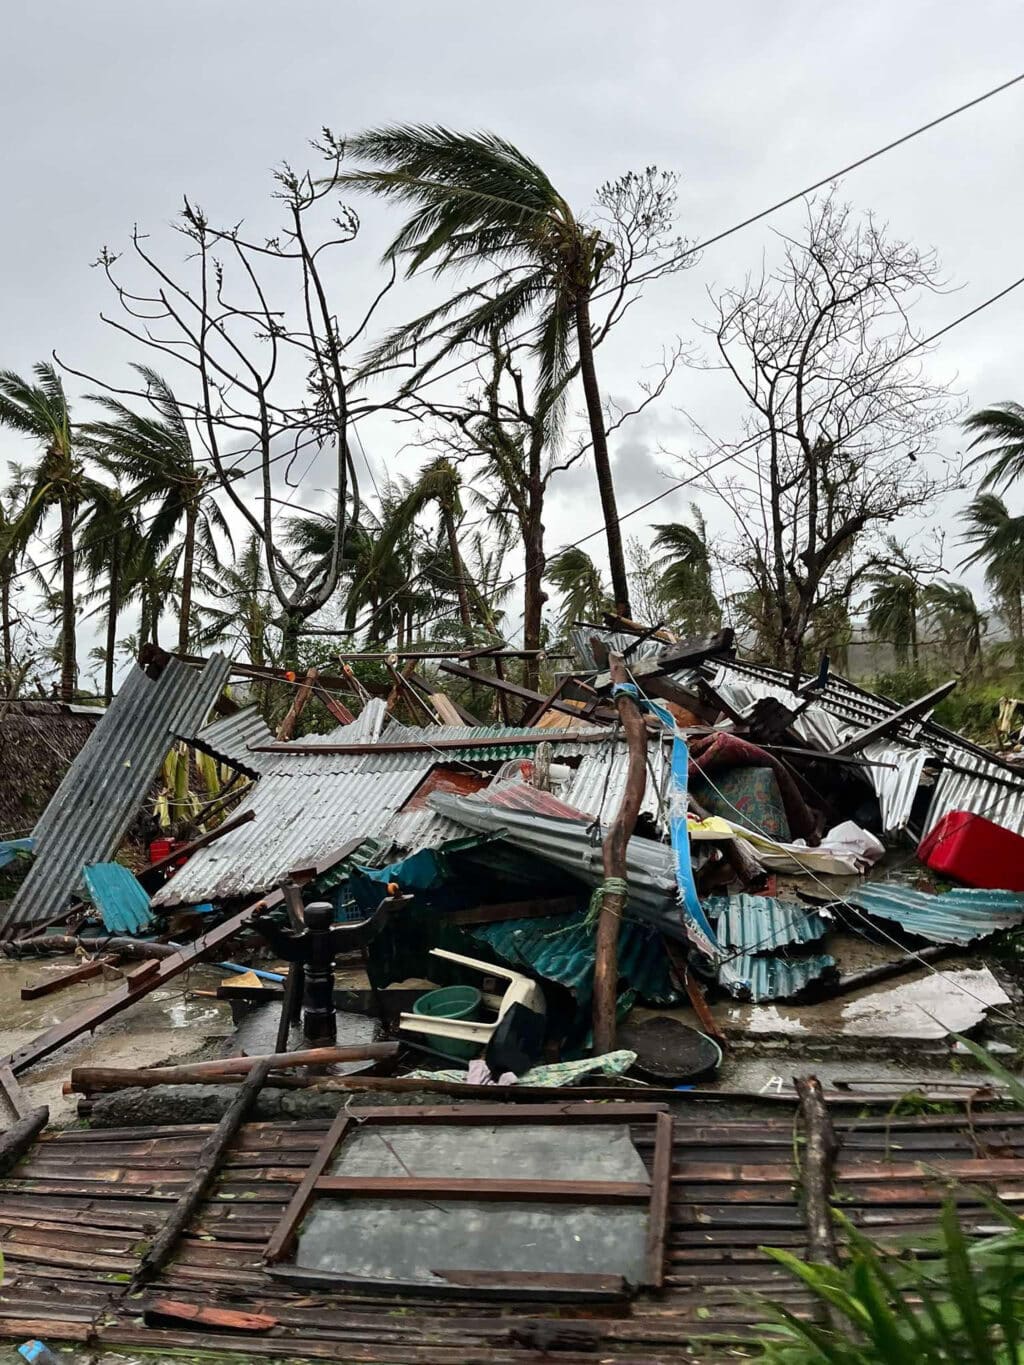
[{"x": 606, "y": 955}]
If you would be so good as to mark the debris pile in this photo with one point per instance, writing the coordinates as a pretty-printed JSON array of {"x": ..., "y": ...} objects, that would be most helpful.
[{"x": 672, "y": 828}]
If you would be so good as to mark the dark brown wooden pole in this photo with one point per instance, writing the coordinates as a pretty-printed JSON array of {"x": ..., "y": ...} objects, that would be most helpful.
[
  {"x": 211, "y": 836},
  {"x": 606, "y": 958},
  {"x": 92, "y": 1079},
  {"x": 214, "y": 1150},
  {"x": 20, "y": 1137}
]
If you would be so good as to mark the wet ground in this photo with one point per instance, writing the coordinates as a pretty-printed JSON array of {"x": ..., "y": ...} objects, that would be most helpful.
[{"x": 164, "y": 1026}]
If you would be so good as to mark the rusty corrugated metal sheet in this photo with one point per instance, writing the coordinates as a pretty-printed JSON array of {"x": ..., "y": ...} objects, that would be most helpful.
[{"x": 94, "y": 806}]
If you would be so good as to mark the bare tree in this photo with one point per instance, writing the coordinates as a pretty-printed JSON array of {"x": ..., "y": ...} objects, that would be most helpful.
[
  {"x": 840, "y": 421},
  {"x": 251, "y": 321}
]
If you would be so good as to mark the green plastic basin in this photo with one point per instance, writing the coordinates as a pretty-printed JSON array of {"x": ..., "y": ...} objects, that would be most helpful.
[{"x": 451, "y": 1002}]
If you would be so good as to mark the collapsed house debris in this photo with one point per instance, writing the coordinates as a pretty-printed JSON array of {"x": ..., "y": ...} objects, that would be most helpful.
[{"x": 605, "y": 897}]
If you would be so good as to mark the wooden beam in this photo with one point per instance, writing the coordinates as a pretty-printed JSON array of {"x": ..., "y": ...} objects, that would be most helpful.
[
  {"x": 495, "y": 914},
  {"x": 99, "y": 1011},
  {"x": 515, "y": 690},
  {"x": 70, "y": 978},
  {"x": 90, "y": 1079},
  {"x": 888, "y": 724},
  {"x": 818, "y": 1167},
  {"x": 210, "y": 837},
  {"x": 487, "y": 1191},
  {"x": 606, "y": 960},
  {"x": 20, "y": 1137},
  {"x": 283, "y": 1237},
  {"x": 214, "y": 1150},
  {"x": 661, "y": 1186},
  {"x": 287, "y": 727}
]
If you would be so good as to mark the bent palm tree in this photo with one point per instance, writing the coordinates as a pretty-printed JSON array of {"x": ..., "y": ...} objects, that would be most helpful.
[
  {"x": 438, "y": 483},
  {"x": 959, "y": 619},
  {"x": 684, "y": 571},
  {"x": 575, "y": 575},
  {"x": 478, "y": 199},
  {"x": 893, "y": 608},
  {"x": 40, "y": 411},
  {"x": 998, "y": 539},
  {"x": 1000, "y": 430},
  {"x": 155, "y": 453}
]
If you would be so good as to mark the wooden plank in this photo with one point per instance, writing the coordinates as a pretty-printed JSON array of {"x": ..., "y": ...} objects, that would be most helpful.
[
  {"x": 889, "y": 724},
  {"x": 287, "y": 726},
  {"x": 13, "y": 1093},
  {"x": 159, "y": 1252},
  {"x": 211, "y": 836},
  {"x": 661, "y": 1185},
  {"x": 158, "y": 1311},
  {"x": 624, "y": 1112},
  {"x": 532, "y": 909},
  {"x": 283, "y": 1238},
  {"x": 487, "y": 1191},
  {"x": 52, "y": 984},
  {"x": 98, "y": 1011},
  {"x": 98, "y": 1078},
  {"x": 459, "y": 1284}
]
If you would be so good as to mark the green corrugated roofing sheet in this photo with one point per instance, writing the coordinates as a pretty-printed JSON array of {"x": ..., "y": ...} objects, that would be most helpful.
[{"x": 561, "y": 948}]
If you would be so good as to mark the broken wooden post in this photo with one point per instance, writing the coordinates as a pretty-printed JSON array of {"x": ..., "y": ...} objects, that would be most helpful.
[
  {"x": 613, "y": 899},
  {"x": 820, "y": 1149},
  {"x": 20, "y": 1137},
  {"x": 214, "y": 1150},
  {"x": 287, "y": 726}
]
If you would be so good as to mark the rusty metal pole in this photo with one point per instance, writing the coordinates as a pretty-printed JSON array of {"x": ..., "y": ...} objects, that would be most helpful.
[{"x": 606, "y": 962}]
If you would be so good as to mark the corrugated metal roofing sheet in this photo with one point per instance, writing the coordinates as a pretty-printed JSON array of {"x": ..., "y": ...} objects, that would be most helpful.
[
  {"x": 756, "y": 977},
  {"x": 94, "y": 806},
  {"x": 227, "y": 740},
  {"x": 115, "y": 892},
  {"x": 650, "y": 867},
  {"x": 841, "y": 709},
  {"x": 561, "y": 948},
  {"x": 958, "y": 916},
  {"x": 762, "y": 923}
]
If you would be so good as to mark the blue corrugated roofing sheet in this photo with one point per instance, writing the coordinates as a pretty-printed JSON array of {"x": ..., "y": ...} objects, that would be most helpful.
[
  {"x": 561, "y": 948},
  {"x": 12, "y": 848},
  {"x": 115, "y": 892},
  {"x": 94, "y": 806},
  {"x": 958, "y": 916},
  {"x": 755, "y": 977},
  {"x": 761, "y": 923}
]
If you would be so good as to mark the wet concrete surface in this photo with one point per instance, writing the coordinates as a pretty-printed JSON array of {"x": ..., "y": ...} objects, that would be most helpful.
[{"x": 164, "y": 1026}]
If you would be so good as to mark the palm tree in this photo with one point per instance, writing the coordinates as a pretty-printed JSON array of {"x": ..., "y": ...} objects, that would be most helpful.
[
  {"x": 998, "y": 539},
  {"x": 893, "y": 608},
  {"x": 477, "y": 200},
  {"x": 111, "y": 547},
  {"x": 1000, "y": 431},
  {"x": 684, "y": 571},
  {"x": 40, "y": 411},
  {"x": 959, "y": 619},
  {"x": 242, "y": 610},
  {"x": 8, "y": 568},
  {"x": 438, "y": 483},
  {"x": 154, "y": 453},
  {"x": 575, "y": 575}
]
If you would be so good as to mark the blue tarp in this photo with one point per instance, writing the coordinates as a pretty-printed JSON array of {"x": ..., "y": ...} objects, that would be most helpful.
[
  {"x": 14, "y": 848},
  {"x": 115, "y": 892}
]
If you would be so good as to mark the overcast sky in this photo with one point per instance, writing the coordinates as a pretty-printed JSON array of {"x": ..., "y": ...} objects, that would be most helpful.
[{"x": 114, "y": 109}]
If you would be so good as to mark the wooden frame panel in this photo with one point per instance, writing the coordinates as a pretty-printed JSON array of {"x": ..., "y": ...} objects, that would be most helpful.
[{"x": 654, "y": 1193}]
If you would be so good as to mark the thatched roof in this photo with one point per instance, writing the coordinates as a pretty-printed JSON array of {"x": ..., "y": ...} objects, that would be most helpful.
[{"x": 38, "y": 740}]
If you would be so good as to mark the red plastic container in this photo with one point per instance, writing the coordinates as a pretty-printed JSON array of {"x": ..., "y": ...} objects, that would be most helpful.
[{"x": 976, "y": 851}]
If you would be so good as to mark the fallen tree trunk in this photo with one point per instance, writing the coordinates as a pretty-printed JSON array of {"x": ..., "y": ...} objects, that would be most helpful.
[{"x": 94, "y": 1079}]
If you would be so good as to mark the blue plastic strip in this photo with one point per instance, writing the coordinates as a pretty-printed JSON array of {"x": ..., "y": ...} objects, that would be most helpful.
[{"x": 697, "y": 924}]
